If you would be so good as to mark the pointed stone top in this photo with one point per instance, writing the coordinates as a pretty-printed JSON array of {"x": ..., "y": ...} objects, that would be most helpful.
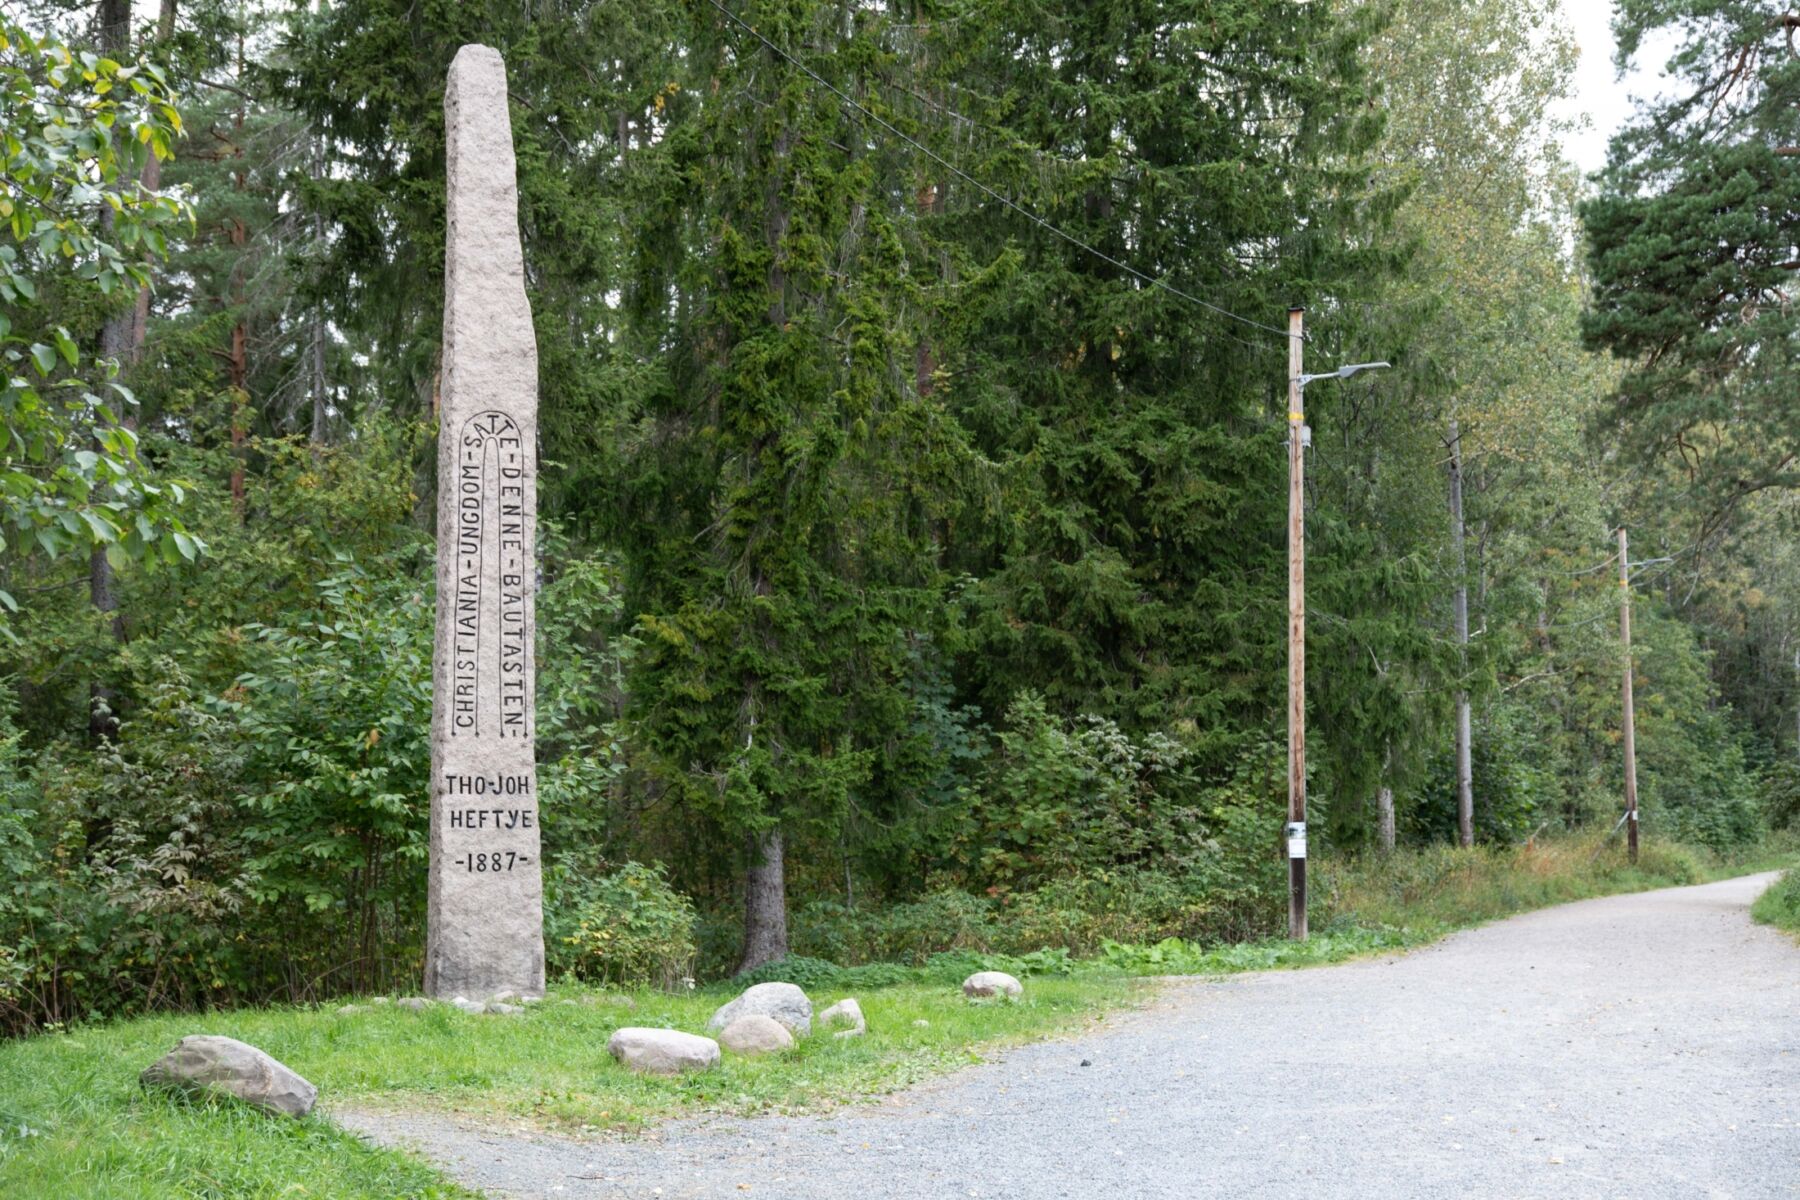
[
  {"x": 475, "y": 51},
  {"x": 486, "y": 273}
]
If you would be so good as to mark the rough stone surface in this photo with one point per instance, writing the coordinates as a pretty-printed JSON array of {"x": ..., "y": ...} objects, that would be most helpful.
[
  {"x": 484, "y": 929},
  {"x": 416, "y": 1003},
  {"x": 756, "y": 1034},
  {"x": 467, "y": 1005},
  {"x": 378, "y": 1000},
  {"x": 1639, "y": 1046},
  {"x": 347, "y": 1009},
  {"x": 783, "y": 1001},
  {"x": 992, "y": 983},
  {"x": 662, "y": 1051},
  {"x": 847, "y": 1013},
  {"x": 206, "y": 1062},
  {"x": 503, "y": 1010}
]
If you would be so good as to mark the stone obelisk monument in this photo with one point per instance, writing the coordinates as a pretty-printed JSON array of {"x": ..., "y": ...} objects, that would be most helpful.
[{"x": 485, "y": 931}]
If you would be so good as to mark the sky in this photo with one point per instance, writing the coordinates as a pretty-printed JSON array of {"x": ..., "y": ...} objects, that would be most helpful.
[{"x": 1604, "y": 99}]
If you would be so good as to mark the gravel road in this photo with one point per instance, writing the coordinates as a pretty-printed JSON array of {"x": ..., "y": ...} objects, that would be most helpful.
[{"x": 1636, "y": 1046}]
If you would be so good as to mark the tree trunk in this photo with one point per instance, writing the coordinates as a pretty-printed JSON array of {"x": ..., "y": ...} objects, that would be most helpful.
[
  {"x": 1465, "y": 790},
  {"x": 1384, "y": 804},
  {"x": 114, "y": 20},
  {"x": 765, "y": 903},
  {"x": 240, "y": 366},
  {"x": 321, "y": 408},
  {"x": 321, "y": 403}
]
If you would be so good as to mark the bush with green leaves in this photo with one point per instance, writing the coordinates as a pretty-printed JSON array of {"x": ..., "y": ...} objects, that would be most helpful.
[
  {"x": 1780, "y": 904},
  {"x": 627, "y": 927},
  {"x": 335, "y": 711},
  {"x": 1781, "y": 795},
  {"x": 1066, "y": 796},
  {"x": 130, "y": 878}
]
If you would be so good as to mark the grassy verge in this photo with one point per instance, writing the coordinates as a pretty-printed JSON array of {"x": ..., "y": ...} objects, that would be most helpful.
[
  {"x": 1780, "y": 905},
  {"x": 73, "y": 1122},
  {"x": 1439, "y": 889}
]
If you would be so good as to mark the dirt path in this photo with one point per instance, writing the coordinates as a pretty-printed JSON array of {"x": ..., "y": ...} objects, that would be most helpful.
[{"x": 1637, "y": 1046}]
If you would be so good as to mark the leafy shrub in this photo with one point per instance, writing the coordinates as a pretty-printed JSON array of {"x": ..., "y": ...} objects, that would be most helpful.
[
  {"x": 628, "y": 928},
  {"x": 1513, "y": 790},
  {"x": 334, "y": 714},
  {"x": 1670, "y": 864},
  {"x": 821, "y": 975},
  {"x": 1062, "y": 798},
  {"x": 1176, "y": 956},
  {"x": 908, "y": 932},
  {"x": 1781, "y": 795},
  {"x": 1780, "y": 904}
]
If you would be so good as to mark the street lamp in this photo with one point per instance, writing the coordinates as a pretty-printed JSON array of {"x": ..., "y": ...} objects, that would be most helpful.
[{"x": 1299, "y": 437}]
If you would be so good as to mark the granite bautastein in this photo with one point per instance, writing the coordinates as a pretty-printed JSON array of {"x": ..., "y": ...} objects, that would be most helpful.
[{"x": 484, "y": 932}]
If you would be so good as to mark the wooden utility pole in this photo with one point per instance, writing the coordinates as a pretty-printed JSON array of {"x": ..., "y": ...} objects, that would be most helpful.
[
  {"x": 1465, "y": 775},
  {"x": 1630, "y": 718},
  {"x": 1296, "y": 828}
]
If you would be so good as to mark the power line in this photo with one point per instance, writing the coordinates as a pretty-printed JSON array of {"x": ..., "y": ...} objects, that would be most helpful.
[{"x": 984, "y": 188}]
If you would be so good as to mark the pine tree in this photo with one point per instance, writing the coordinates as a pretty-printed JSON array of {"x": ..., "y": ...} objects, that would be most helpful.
[
  {"x": 780, "y": 505},
  {"x": 1693, "y": 250}
]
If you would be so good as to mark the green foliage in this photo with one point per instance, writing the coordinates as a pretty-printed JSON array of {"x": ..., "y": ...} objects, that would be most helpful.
[
  {"x": 78, "y": 129},
  {"x": 336, "y": 713},
  {"x": 1174, "y": 956},
  {"x": 1781, "y": 795},
  {"x": 626, "y": 928},
  {"x": 1065, "y": 797},
  {"x": 1516, "y": 788},
  {"x": 1780, "y": 904}
]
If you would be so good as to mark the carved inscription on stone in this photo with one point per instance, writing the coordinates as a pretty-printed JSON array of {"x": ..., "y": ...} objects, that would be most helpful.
[{"x": 490, "y": 554}]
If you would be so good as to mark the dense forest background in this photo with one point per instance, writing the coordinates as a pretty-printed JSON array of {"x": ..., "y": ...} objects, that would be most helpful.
[{"x": 906, "y": 551}]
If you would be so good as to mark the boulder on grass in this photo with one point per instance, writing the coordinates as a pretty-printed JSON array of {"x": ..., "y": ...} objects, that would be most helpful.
[
  {"x": 662, "y": 1051},
  {"x": 783, "y": 1001},
  {"x": 847, "y": 1013},
  {"x": 415, "y": 1003},
  {"x": 208, "y": 1063},
  {"x": 756, "y": 1034},
  {"x": 983, "y": 984}
]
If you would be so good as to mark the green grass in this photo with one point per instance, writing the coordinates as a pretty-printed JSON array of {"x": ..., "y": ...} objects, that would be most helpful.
[
  {"x": 1430, "y": 892},
  {"x": 76, "y": 1124},
  {"x": 1780, "y": 904}
]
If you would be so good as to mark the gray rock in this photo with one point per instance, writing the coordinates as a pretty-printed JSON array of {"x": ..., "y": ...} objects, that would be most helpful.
[
  {"x": 847, "y": 1013},
  {"x": 504, "y": 1010},
  {"x": 467, "y": 1005},
  {"x": 378, "y": 999},
  {"x": 756, "y": 1034},
  {"x": 348, "y": 1009},
  {"x": 992, "y": 983},
  {"x": 921, "y": 1023},
  {"x": 415, "y": 1003},
  {"x": 485, "y": 919},
  {"x": 662, "y": 1051},
  {"x": 205, "y": 1062},
  {"x": 783, "y": 1001}
]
